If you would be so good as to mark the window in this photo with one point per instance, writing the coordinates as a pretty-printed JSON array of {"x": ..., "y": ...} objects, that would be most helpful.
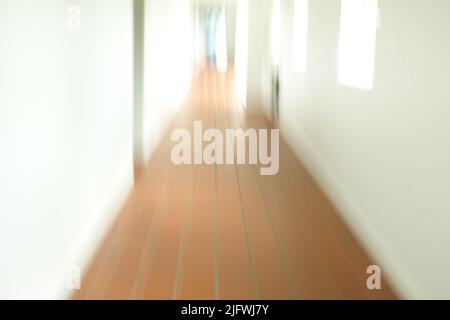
[
  {"x": 356, "y": 57},
  {"x": 300, "y": 35},
  {"x": 241, "y": 54},
  {"x": 221, "y": 43},
  {"x": 276, "y": 32}
]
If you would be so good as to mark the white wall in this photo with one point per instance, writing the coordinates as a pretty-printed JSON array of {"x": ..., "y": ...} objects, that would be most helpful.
[
  {"x": 168, "y": 63},
  {"x": 65, "y": 137},
  {"x": 382, "y": 155}
]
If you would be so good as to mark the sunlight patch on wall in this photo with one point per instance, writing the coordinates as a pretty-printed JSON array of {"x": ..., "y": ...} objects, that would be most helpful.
[
  {"x": 221, "y": 43},
  {"x": 276, "y": 32},
  {"x": 357, "y": 40},
  {"x": 241, "y": 55},
  {"x": 300, "y": 36}
]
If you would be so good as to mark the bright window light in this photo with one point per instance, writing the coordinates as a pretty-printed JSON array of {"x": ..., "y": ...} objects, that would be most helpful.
[
  {"x": 358, "y": 31},
  {"x": 221, "y": 43},
  {"x": 241, "y": 54},
  {"x": 300, "y": 35},
  {"x": 276, "y": 32}
]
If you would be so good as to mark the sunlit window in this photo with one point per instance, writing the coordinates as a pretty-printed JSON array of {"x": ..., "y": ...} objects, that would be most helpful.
[
  {"x": 356, "y": 57},
  {"x": 221, "y": 43},
  {"x": 241, "y": 54},
  {"x": 300, "y": 35},
  {"x": 276, "y": 32}
]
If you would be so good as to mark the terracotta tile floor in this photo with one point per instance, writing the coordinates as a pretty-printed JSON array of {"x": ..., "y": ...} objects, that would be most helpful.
[{"x": 224, "y": 231}]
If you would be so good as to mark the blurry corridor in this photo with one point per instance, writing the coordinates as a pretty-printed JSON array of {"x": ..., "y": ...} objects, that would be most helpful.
[
  {"x": 224, "y": 231},
  {"x": 102, "y": 196}
]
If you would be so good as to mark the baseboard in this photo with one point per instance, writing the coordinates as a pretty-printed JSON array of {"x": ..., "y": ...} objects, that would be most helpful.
[
  {"x": 351, "y": 211},
  {"x": 90, "y": 239}
]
